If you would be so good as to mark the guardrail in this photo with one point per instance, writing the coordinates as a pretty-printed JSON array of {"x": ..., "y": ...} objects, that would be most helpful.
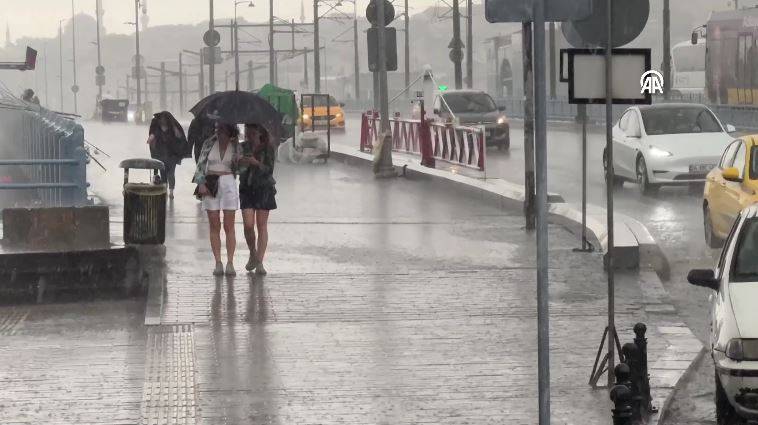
[
  {"x": 47, "y": 152},
  {"x": 454, "y": 144},
  {"x": 742, "y": 117}
]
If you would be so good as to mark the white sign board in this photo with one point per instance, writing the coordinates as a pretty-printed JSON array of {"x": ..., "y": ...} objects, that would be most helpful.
[{"x": 586, "y": 76}]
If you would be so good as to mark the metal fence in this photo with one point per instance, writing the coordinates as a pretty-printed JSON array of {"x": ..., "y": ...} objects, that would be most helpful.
[
  {"x": 42, "y": 156},
  {"x": 742, "y": 117}
]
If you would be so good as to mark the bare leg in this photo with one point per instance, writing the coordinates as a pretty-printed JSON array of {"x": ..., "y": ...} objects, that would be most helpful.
[
  {"x": 214, "y": 219},
  {"x": 261, "y": 220},
  {"x": 231, "y": 239},
  {"x": 248, "y": 220}
]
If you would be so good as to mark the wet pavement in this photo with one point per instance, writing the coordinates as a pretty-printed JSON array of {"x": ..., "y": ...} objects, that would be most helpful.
[{"x": 386, "y": 302}]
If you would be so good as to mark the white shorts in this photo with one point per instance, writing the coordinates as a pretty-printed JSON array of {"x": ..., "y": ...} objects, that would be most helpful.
[{"x": 227, "y": 198}]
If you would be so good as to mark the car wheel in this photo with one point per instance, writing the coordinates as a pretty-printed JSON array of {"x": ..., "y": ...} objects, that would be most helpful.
[
  {"x": 711, "y": 239},
  {"x": 646, "y": 188},
  {"x": 618, "y": 182},
  {"x": 725, "y": 413}
]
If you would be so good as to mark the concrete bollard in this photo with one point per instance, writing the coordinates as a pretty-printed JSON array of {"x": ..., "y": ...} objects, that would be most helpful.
[
  {"x": 644, "y": 387},
  {"x": 630, "y": 355}
]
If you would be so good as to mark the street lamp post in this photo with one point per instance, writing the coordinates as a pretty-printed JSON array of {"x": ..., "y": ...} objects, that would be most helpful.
[
  {"x": 74, "y": 88},
  {"x": 235, "y": 36},
  {"x": 60, "y": 76},
  {"x": 99, "y": 58},
  {"x": 211, "y": 63},
  {"x": 316, "y": 53},
  {"x": 271, "y": 52}
]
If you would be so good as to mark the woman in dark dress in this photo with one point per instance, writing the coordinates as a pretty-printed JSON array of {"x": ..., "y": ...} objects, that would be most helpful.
[
  {"x": 257, "y": 191},
  {"x": 168, "y": 145}
]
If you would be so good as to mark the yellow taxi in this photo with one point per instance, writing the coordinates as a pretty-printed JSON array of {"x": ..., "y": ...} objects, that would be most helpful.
[
  {"x": 729, "y": 188},
  {"x": 318, "y": 112}
]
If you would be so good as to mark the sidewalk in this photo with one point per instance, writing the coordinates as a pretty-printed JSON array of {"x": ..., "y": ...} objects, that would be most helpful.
[{"x": 386, "y": 302}]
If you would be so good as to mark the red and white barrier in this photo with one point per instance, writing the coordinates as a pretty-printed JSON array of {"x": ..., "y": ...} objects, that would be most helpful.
[{"x": 458, "y": 145}]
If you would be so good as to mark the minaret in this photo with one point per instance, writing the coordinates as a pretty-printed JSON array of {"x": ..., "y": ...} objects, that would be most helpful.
[{"x": 302, "y": 12}]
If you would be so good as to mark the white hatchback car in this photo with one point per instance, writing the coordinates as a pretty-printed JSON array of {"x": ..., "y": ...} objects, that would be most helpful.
[
  {"x": 667, "y": 144},
  {"x": 734, "y": 320}
]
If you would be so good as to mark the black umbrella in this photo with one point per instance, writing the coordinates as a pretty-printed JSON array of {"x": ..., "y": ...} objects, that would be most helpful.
[{"x": 239, "y": 107}]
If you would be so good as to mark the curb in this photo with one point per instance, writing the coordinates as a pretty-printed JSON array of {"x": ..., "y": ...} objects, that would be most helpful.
[{"x": 661, "y": 417}]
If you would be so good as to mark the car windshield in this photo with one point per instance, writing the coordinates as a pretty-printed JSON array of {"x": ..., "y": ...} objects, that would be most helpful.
[
  {"x": 745, "y": 268},
  {"x": 679, "y": 120},
  {"x": 319, "y": 101},
  {"x": 470, "y": 102}
]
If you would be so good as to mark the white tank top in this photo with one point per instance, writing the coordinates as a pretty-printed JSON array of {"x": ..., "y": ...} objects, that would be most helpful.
[{"x": 217, "y": 163}]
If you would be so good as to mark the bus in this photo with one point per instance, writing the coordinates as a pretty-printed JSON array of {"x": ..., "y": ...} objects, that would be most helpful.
[
  {"x": 731, "y": 59},
  {"x": 688, "y": 69}
]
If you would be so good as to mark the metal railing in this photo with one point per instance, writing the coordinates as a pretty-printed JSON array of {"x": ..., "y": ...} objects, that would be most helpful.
[
  {"x": 44, "y": 153},
  {"x": 742, "y": 117}
]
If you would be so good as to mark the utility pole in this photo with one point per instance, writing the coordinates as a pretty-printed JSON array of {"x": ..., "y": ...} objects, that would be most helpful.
[
  {"x": 47, "y": 99},
  {"x": 235, "y": 33},
  {"x": 407, "y": 61},
  {"x": 211, "y": 64},
  {"x": 201, "y": 84},
  {"x": 162, "y": 87},
  {"x": 667, "y": 49},
  {"x": 137, "y": 60},
  {"x": 457, "y": 44},
  {"x": 74, "y": 88},
  {"x": 383, "y": 167},
  {"x": 526, "y": 43},
  {"x": 271, "y": 52},
  {"x": 553, "y": 81},
  {"x": 356, "y": 55},
  {"x": 250, "y": 76},
  {"x": 305, "y": 67},
  {"x": 99, "y": 58},
  {"x": 60, "y": 49},
  {"x": 181, "y": 83},
  {"x": 128, "y": 89},
  {"x": 469, "y": 45},
  {"x": 316, "y": 50}
]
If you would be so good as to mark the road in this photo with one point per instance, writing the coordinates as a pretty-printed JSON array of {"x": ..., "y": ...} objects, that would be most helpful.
[{"x": 673, "y": 216}]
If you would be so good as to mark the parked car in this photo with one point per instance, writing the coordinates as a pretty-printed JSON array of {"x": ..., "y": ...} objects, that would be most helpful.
[
  {"x": 474, "y": 107},
  {"x": 318, "y": 112},
  {"x": 734, "y": 320},
  {"x": 729, "y": 188},
  {"x": 115, "y": 110},
  {"x": 667, "y": 144}
]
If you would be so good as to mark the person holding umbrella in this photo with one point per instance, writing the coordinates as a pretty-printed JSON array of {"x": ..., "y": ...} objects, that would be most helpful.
[
  {"x": 215, "y": 177},
  {"x": 257, "y": 191},
  {"x": 168, "y": 145}
]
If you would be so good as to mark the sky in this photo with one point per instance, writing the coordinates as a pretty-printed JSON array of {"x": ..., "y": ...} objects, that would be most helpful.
[{"x": 39, "y": 18}]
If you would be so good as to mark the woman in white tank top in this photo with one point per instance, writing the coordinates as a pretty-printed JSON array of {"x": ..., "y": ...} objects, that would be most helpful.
[{"x": 215, "y": 177}]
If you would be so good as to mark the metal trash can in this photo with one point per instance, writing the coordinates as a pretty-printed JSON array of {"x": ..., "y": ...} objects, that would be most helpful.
[{"x": 144, "y": 204}]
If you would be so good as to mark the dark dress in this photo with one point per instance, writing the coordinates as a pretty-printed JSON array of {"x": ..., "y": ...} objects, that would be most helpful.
[
  {"x": 257, "y": 184},
  {"x": 168, "y": 147}
]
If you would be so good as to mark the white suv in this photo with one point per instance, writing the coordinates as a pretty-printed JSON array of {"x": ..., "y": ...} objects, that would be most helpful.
[{"x": 734, "y": 320}]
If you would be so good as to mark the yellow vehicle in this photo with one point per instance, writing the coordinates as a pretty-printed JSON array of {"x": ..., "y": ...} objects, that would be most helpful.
[
  {"x": 729, "y": 188},
  {"x": 318, "y": 112}
]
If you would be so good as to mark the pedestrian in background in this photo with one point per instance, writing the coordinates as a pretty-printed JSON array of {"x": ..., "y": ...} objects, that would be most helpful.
[
  {"x": 168, "y": 145},
  {"x": 215, "y": 177},
  {"x": 257, "y": 192}
]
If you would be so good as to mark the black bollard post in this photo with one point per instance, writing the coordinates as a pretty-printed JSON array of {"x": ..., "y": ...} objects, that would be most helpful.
[
  {"x": 631, "y": 358},
  {"x": 621, "y": 396},
  {"x": 641, "y": 342}
]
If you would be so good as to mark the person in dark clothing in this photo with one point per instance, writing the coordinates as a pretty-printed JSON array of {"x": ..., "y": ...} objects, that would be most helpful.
[
  {"x": 200, "y": 129},
  {"x": 168, "y": 145},
  {"x": 257, "y": 191}
]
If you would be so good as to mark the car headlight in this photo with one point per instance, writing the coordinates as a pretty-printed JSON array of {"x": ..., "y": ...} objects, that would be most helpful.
[
  {"x": 659, "y": 153},
  {"x": 306, "y": 116},
  {"x": 339, "y": 115},
  {"x": 742, "y": 349},
  {"x": 502, "y": 120}
]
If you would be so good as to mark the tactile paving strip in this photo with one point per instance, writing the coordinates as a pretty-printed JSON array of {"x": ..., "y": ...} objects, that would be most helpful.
[
  {"x": 11, "y": 319},
  {"x": 169, "y": 394}
]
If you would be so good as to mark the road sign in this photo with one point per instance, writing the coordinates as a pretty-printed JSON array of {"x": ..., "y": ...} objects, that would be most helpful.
[
  {"x": 75, "y": 88},
  {"x": 456, "y": 43},
  {"x": 629, "y": 19},
  {"x": 212, "y": 55},
  {"x": 100, "y": 70},
  {"x": 521, "y": 10},
  {"x": 211, "y": 38},
  {"x": 100, "y": 80},
  {"x": 586, "y": 76},
  {"x": 389, "y": 13},
  {"x": 456, "y": 55},
  {"x": 141, "y": 59},
  {"x": 140, "y": 74},
  {"x": 390, "y": 36}
]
